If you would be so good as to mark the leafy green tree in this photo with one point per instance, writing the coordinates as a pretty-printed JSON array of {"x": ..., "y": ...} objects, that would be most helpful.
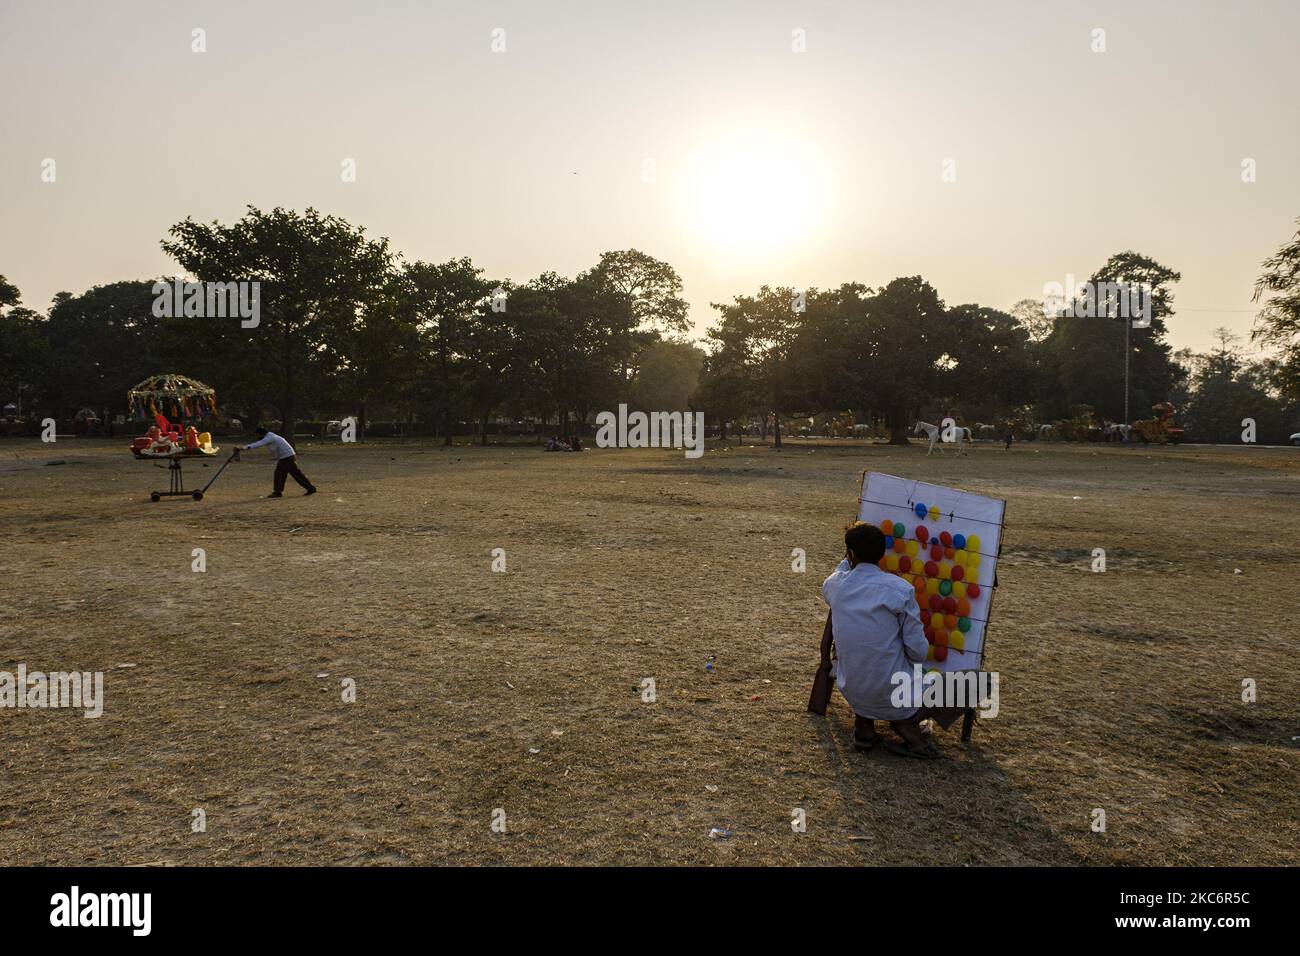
[
  {"x": 567, "y": 345},
  {"x": 442, "y": 300},
  {"x": 1278, "y": 322},
  {"x": 24, "y": 351},
  {"x": 668, "y": 374},
  {"x": 644, "y": 297},
  {"x": 1227, "y": 389},
  {"x": 490, "y": 361},
  {"x": 378, "y": 358},
  {"x": 317, "y": 274},
  {"x": 100, "y": 343},
  {"x": 990, "y": 364},
  {"x": 9, "y": 295},
  {"x": 760, "y": 331},
  {"x": 899, "y": 342},
  {"x": 727, "y": 390},
  {"x": 1083, "y": 357}
]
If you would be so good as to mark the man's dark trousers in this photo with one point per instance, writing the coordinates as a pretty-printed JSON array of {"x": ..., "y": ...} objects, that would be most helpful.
[{"x": 289, "y": 466}]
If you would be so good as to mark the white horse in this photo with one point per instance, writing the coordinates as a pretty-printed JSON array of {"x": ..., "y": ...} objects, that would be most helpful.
[{"x": 935, "y": 434}]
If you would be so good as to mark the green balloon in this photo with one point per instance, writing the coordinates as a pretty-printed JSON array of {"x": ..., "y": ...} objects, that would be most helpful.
[
  {"x": 963, "y": 624},
  {"x": 900, "y": 530},
  {"x": 945, "y": 588}
]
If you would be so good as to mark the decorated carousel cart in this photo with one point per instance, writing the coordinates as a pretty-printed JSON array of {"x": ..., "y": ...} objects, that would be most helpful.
[{"x": 185, "y": 399}]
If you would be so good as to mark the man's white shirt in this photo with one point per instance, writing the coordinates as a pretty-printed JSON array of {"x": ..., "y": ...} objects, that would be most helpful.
[
  {"x": 279, "y": 447},
  {"x": 878, "y": 634}
]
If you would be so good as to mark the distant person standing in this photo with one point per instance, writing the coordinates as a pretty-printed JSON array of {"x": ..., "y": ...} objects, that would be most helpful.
[
  {"x": 1010, "y": 436},
  {"x": 286, "y": 461}
]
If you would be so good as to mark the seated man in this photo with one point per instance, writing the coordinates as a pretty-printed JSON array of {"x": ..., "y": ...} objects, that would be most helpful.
[{"x": 877, "y": 634}]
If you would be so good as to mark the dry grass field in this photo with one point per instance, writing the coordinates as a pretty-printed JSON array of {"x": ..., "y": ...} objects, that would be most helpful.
[{"x": 478, "y": 690}]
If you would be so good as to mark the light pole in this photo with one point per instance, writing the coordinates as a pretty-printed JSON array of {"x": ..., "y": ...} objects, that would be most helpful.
[{"x": 1127, "y": 326}]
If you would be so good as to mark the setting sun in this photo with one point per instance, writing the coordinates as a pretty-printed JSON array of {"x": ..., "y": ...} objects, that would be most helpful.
[{"x": 753, "y": 194}]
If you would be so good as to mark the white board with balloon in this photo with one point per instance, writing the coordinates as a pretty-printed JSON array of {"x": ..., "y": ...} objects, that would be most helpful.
[{"x": 945, "y": 543}]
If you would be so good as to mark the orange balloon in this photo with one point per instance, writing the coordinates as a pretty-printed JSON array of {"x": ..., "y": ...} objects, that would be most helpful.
[
  {"x": 963, "y": 607},
  {"x": 887, "y": 526}
]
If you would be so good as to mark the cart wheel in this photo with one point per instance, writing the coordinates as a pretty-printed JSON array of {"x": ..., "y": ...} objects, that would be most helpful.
[
  {"x": 198, "y": 496},
  {"x": 154, "y": 496}
]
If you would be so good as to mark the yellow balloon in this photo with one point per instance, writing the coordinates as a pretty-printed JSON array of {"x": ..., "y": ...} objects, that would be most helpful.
[
  {"x": 945, "y": 571},
  {"x": 973, "y": 543},
  {"x": 959, "y": 589},
  {"x": 934, "y": 513},
  {"x": 973, "y": 561},
  {"x": 931, "y": 585},
  {"x": 929, "y": 655},
  {"x": 961, "y": 557},
  {"x": 957, "y": 640},
  {"x": 891, "y": 563},
  {"x": 912, "y": 549}
]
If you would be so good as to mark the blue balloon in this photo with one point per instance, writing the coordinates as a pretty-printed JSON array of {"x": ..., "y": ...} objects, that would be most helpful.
[
  {"x": 959, "y": 541},
  {"x": 921, "y": 511},
  {"x": 889, "y": 541}
]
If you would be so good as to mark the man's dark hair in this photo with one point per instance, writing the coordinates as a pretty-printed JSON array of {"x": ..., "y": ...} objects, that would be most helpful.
[
  {"x": 865, "y": 542},
  {"x": 260, "y": 431}
]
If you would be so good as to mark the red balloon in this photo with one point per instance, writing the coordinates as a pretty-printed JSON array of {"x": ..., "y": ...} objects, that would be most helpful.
[
  {"x": 905, "y": 564},
  {"x": 931, "y": 569},
  {"x": 941, "y": 653},
  {"x": 936, "y": 551},
  {"x": 925, "y": 616},
  {"x": 929, "y": 634},
  {"x": 946, "y": 538},
  {"x": 958, "y": 572},
  {"x": 936, "y": 603},
  {"x": 972, "y": 590},
  {"x": 941, "y": 638},
  {"x": 922, "y": 533},
  {"x": 900, "y": 544},
  {"x": 949, "y": 603}
]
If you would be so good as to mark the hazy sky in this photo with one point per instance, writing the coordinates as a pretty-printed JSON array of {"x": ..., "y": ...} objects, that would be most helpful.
[{"x": 696, "y": 134}]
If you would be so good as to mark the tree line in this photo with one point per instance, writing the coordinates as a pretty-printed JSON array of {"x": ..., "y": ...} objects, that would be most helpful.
[{"x": 349, "y": 327}]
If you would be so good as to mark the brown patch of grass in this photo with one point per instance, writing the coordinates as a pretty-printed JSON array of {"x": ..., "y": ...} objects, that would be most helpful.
[{"x": 1119, "y": 690}]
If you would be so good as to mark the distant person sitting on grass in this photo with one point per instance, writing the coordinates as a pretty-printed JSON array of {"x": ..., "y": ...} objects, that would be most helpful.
[
  {"x": 878, "y": 634},
  {"x": 286, "y": 461}
]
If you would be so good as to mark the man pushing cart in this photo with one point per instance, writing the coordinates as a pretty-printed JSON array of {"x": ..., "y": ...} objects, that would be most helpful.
[{"x": 286, "y": 462}]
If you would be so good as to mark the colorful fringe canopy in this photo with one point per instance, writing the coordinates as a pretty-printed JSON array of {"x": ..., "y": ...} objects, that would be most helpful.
[{"x": 176, "y": 396}]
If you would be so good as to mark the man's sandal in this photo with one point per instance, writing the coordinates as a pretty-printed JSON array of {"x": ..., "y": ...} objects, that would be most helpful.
[{"x": 865, "y": 743}]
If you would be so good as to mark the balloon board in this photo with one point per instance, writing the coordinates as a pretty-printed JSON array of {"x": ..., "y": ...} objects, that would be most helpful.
[{"x": 945, "y": 543}]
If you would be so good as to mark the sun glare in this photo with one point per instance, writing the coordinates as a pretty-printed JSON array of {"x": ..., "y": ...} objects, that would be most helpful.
[{"x": 755, "y": 195}]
